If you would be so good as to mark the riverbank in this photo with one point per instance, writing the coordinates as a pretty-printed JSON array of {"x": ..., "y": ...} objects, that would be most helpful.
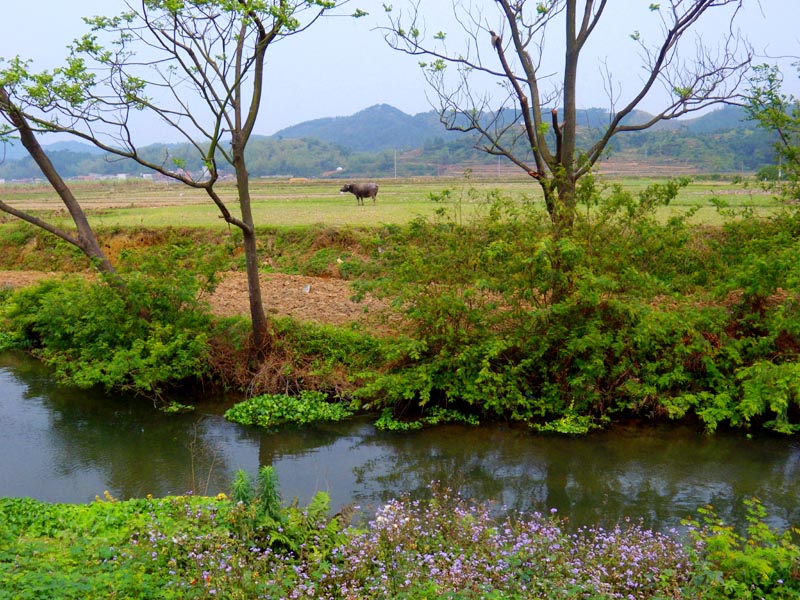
[
  {"x": 324, "y": 300},
  {"x": 475, "y": 315},
  {"x": 248, "y": 546}
]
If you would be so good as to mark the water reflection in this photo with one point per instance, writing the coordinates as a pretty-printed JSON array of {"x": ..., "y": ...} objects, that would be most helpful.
[
  {"x": 68, "y": 445},
  {"x": 64, "y": 445}
]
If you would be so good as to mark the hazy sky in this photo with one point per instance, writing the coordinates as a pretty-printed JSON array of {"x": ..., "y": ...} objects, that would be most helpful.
[{"x": 342, "y": 65}]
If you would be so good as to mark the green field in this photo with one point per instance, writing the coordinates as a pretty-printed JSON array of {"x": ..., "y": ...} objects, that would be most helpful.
[{"x": 287, "y": 203}]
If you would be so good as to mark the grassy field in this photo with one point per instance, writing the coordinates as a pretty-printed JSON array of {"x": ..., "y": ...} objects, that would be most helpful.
[{"x": 287, "y": 203}]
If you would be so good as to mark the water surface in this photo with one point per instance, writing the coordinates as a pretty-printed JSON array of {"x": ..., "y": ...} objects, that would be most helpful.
[{"x": 59, "y": 444}]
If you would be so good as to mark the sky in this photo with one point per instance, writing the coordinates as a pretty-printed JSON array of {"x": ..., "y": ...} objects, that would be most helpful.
[{"x": 341, "y": 65}]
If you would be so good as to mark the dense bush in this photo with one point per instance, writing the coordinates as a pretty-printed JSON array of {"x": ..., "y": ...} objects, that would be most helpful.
[
  {"x": 757, "y": 563},
  {"x": 138, "y": 333},
  {"x": 633, "y": 314}
]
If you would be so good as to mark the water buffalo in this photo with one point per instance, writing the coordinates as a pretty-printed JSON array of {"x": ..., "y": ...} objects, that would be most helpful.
[{"x": 361, "y": 191}]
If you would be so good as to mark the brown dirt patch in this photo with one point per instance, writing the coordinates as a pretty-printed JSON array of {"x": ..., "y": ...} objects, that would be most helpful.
[
  {"x": 15, "y": 279},
  {"x": 316, "y": 299}
]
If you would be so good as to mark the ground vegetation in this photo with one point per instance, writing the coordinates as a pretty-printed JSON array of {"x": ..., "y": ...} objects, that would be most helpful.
[{"x": 249, "y": 544}]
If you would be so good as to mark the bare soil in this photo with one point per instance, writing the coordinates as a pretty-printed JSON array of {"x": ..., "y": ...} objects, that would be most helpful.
[{"x": 316, "y": 299}]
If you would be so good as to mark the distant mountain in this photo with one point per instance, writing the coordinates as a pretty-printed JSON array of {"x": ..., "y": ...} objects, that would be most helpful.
[
  {"x": 15, "y": 150},
  {"x": 722, "y": 119},
  {"x": 374, "y": 141},
  {"x": 383, "y": 127},
  {"x": 380, "y": 127}
]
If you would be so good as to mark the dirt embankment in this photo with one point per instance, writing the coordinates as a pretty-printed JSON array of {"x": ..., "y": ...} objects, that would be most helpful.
[{"x": 316, "y": 299}]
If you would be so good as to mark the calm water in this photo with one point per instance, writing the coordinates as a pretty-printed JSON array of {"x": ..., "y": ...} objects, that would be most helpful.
[{"x": 62, "y": 445}]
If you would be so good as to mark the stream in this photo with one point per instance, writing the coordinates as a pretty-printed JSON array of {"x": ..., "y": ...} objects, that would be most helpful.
[{"x": 60, "y": 444}]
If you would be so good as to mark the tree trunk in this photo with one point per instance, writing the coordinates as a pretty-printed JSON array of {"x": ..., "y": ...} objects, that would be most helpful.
[
  {"x": 86, "y": 239},
  {"x": 259, "y": 318},
  {"x": 565, "y": 156},
  {"x": 257, "y": 315},
  {"x": 565, "y": 207}
]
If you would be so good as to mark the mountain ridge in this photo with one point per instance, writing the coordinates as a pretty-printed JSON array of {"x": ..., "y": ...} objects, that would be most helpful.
[
  {"x": 384, "y": 127},
  {"x": 371, "y": 143},
  {"x": 397, "y": 130}
]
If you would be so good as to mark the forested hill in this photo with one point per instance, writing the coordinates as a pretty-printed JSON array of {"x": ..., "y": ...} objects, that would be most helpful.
[
  {"x": 380, "y": 127},
  {"x": 382, "y": 141},
  {"x": 383, "y": 127}
]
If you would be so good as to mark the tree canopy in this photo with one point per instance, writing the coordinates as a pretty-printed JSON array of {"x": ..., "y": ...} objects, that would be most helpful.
[
  {"x": 778, "y": 112},
  {"x": 196, "y": 65},
  {"x": 529, "y": 116}
]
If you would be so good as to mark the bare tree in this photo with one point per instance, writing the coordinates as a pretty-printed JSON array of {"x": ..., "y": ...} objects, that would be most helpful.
[
  {"x": 84, "y": 237},
  {"x": 196, "y": 65},
  {"x": 504, "y": 43}
]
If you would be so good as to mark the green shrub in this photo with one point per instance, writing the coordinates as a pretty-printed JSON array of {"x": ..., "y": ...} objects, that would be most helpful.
[
  {"x": 277, "y": 410},
  {"x": 633, "y": 314},
  {"x": 432, "y": 417},
  {"x": 259, "y": 519},
  {"x": 759, "y": 563},
  {"x": 143, "y": 336}
]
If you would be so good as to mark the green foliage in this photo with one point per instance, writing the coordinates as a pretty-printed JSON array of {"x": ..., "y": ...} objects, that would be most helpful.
[
  {"x": 242, "y": 488},
  {"x": 570, "y": 424},
  {"x": 259, "y": 514},
  {"x": 268, "y": 495},
  {"x": 175, "y": 547},
  {"x": 769, "y": 389},
  {"x": 259, "y": 519},
  {"x": 173, "y": 408},
  {"x": 277, "y": 410},
  {"x": 779, "y": 114},
  {"x": 142, "y": 336},
  {"x": 142, "y": 331},
  {"x": 326, "y": 357},
  {"x": 431, "y": 417},
  {"x": 631, "y": 315},
  {"x": 759, "y": 563},
  {"x": 70, "y": 551}
]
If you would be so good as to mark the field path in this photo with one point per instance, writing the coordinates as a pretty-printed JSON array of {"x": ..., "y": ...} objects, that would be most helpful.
[{"x": 317, "y": 299}]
